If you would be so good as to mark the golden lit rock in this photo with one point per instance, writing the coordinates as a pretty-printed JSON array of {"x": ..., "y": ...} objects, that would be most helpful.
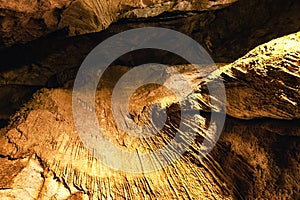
[{"x": 248, "y": 161}]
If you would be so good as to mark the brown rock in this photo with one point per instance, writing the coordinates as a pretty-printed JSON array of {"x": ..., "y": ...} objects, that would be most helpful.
[
  {"x": 263, "y": 83},
  {"x": 23, "y": 21},
  {"x": 253, "y": 159}
]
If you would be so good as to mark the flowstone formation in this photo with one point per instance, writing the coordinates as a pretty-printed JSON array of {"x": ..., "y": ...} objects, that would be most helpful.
[
  {"x": 34, "y": 55},
  {"x": 263, "y": 83},
  {"x": 42, "y": 156}
]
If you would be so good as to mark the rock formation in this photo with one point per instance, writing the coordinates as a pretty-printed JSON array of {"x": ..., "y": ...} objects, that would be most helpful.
[
  {"x": 263, "y": 83},
  {"x": 213, "y": 24},
  {"x": 43, "y": 43},
  {"x": 25, "y": 68},
  {"x": 22, "y": 21},
  {"x": 42, "y": 156}
]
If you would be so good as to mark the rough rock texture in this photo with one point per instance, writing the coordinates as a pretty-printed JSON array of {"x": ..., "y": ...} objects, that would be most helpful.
[
  {"x": 67, "y": 161},
  {"x": 252, "y": 160},
  {"x": 41, "y": 155},
  {"x": 217, "y": 30},
  {"x": 26, "y": 68},
  {"x": 13, "y": 97},
  {"x": 256, "y": 159},
  {"x": 22, "y": 21},
  {"x": 265, "y": 82}
]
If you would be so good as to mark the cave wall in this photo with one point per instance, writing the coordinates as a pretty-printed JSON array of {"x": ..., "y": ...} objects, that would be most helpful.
[
  {"x": 42, "y": 156},
  {"x": 23, "y": 21},
  {"x": 42, "y": 44}
]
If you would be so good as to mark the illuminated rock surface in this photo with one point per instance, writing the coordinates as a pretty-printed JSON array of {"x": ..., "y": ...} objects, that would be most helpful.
[
  {"x": 257, "y": 155},
  {"x": 265, "y": 82},
  {"x": 214, "y": 24},
  {"x": 43, "y": 158},
  {"x": 22, "y": 21}
]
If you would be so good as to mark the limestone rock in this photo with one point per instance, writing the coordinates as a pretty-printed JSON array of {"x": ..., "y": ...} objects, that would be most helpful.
[
  {"x": 252, "y": 159},
  {"x": 42, "y": 156},
  {"x": 55, "y": 142},
  {"x": 23, "y": 21},
  {"x": 263, "y": 83},
  {"x": 21, "y": 179}
]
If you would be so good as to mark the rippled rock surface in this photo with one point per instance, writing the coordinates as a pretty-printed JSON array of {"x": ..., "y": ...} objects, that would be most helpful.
[
  {"x": 42, "y": 156},
  {"x": 22, "y": 21},
  {"x": 265, "y": 82}
]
